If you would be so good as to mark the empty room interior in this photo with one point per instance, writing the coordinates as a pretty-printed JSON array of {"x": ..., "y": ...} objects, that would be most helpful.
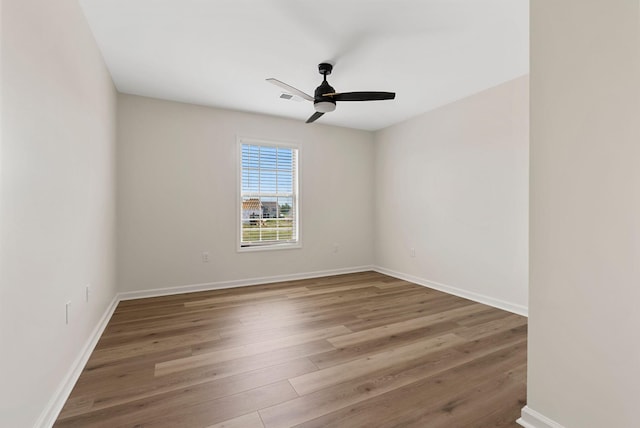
[{"x": 287, "y": 213}]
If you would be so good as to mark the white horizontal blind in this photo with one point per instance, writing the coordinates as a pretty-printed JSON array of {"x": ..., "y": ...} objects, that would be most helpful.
[{"x": 269, "y": 200}]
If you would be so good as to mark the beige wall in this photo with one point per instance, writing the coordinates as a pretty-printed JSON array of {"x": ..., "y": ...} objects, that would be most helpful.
[
  {"x": 584, "y": 344},
  {"x": 57, "y": 200},
  {"x": 453, "y": 185},
  {"x": 177, "y": 169}
]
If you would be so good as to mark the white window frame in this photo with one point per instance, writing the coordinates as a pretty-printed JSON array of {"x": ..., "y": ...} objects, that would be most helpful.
[{"x": 296, "y": 196}]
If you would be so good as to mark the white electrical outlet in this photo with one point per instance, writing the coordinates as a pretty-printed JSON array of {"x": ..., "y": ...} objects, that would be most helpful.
[
  {"x": 87, "y": 293},
  {"x": 412, "y": 252},
  {"x": 336, "y": 248},
  {"x": 205, "y": 257},
  {"x": 67, "y": 312}
]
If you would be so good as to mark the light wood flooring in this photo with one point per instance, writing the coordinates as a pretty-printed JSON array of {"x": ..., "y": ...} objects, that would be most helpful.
[{"x": 357, "y": 350}]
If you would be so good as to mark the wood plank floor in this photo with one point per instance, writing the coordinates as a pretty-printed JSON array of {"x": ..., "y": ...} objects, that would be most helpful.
[{"x": 357, "y": 350}]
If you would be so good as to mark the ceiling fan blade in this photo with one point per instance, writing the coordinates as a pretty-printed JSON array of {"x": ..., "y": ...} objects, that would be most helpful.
[
  {"x": 290, "y": 89},
  {"x": 362, "y": 96},
  {"x": 314, "y": 117}
]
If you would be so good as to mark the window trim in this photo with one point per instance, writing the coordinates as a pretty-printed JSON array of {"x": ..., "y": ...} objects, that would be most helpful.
[{"x": 240, "y": 140}]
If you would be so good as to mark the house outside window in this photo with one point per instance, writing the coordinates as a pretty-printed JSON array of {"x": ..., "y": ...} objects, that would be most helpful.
[{"x": 268, "y": 195}]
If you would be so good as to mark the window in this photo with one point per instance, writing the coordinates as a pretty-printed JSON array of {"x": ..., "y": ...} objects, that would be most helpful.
[{"x": 268, "y": 208}]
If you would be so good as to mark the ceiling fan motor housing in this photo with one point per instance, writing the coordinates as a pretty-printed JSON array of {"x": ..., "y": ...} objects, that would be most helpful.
[{"x": 321, "y": 103}]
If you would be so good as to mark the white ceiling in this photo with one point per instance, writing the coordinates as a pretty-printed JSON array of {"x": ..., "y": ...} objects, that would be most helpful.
[{"x": 219, "y": 52}]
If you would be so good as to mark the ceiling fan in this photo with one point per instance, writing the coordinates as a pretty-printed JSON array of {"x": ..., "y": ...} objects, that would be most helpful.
[{"x": 325, "y": 97}]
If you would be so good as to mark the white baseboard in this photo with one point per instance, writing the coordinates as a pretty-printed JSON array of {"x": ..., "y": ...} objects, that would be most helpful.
[
  {"x": 532, "y": 419},
  {"x": 129, "y": 295},
  {"x": 52, "y": 410},
  {"x": 476, "y": 297}
]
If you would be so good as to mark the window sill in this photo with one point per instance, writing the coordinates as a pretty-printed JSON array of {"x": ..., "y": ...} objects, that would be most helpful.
[{"x": 269, "y": 247}]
